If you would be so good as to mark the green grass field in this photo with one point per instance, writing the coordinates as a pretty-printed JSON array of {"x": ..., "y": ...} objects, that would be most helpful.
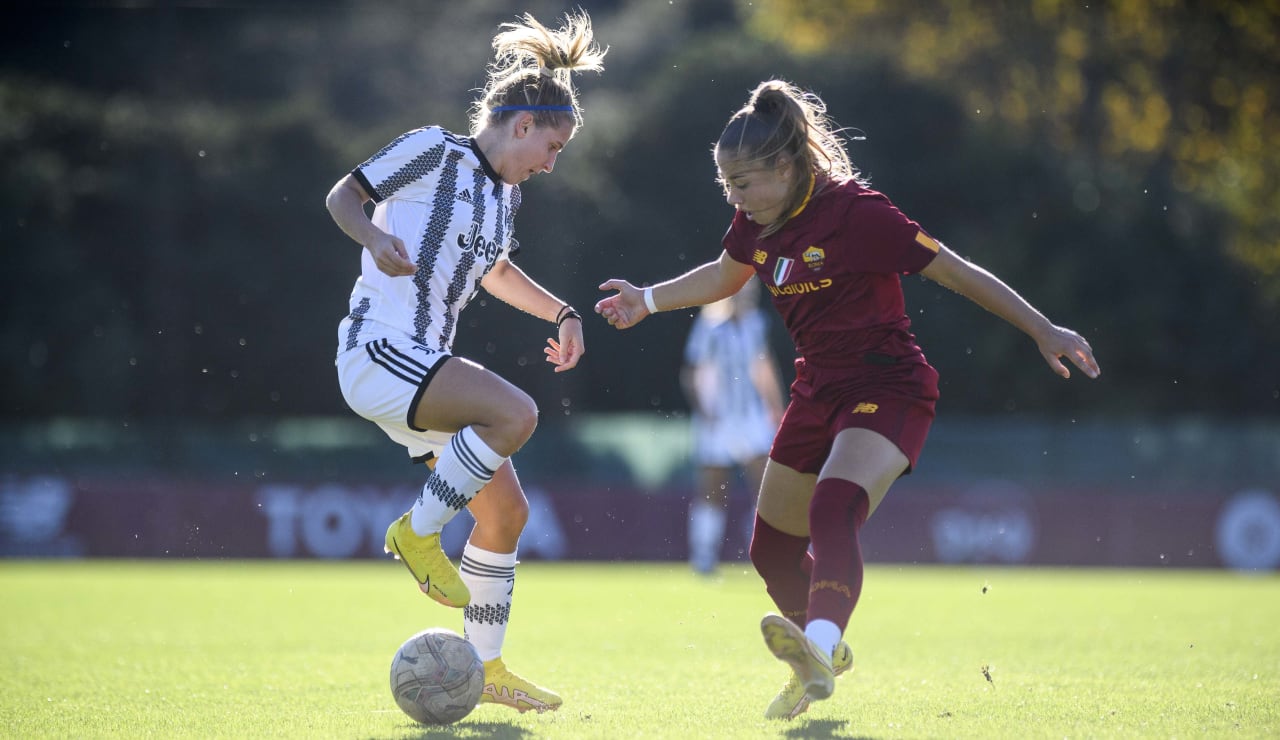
[{"x": 302, "y": 649}]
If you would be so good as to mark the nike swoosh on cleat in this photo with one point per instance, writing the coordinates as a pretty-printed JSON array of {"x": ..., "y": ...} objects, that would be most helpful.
[{"x": 400, "y": 557}]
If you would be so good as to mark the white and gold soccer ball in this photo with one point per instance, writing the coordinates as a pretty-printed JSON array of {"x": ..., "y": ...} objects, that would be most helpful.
[{"x": 437, "y": 676}]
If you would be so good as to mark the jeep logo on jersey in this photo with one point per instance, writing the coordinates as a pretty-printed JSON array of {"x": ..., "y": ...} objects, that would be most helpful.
[
  {"x": 475, "y": 242},
  {"x": 814, "y": 257},
  {"x": 782, "y": 270}
]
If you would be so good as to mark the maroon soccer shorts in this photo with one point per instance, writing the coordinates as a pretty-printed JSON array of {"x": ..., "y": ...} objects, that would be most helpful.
[{"x": 895, "y": 400}]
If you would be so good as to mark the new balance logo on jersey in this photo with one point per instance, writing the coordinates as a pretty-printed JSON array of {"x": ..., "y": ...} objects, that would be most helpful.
[
  {"x": 465, "y": 196},
  {"x": 865, "y": 408}
]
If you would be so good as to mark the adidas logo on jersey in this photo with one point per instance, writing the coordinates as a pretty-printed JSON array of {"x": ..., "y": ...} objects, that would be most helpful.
[{"x": 465, "y": 196}]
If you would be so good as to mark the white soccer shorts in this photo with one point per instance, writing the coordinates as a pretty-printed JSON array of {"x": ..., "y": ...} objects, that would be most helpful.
[
  {"x": 383, "y": 380},
  {"x": 731, "y": 441}
]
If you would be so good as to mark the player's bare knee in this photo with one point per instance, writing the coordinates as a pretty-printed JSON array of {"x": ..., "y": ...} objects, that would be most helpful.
[
  {"x": 509, "y": 523},
  {"x": 520, "y": 420},
  {"x": 517, "y": 516},
  {"x": 508, "y": 425}
]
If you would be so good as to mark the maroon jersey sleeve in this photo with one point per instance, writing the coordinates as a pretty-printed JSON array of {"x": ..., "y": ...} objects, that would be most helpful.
[
  {"x": 738, "y": 242},
  {"x": 889, "y": 242}
]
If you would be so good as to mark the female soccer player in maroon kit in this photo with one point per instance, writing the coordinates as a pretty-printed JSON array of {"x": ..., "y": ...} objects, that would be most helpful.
[{"x": 831, "y": 252}]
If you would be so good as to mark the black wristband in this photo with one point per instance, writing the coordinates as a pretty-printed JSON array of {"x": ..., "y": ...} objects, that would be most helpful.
[
  {"x": 566, "y": 315},
  {"x": 561, "y": 312}
]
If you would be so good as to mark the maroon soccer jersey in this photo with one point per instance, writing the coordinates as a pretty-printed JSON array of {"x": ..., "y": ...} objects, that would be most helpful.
[{"x": 833, "y": 273}]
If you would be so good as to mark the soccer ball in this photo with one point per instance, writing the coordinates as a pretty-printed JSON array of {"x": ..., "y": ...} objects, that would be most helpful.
[{"x": 437, "y": 677}]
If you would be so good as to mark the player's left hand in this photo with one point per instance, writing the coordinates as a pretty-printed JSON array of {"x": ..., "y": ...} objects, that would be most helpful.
[
  {"x": 566, "y": 352},
  {"x": 1063, "y": 342}
]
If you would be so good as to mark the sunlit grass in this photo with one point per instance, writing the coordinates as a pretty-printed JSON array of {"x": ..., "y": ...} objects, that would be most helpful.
[{"x": 302, "y": 649}]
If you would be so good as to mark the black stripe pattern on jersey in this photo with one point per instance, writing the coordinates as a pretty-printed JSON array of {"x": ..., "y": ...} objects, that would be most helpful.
[
  {"x": 358, "y": 172},
  {"x": 357, "y": 323},
  {"x": 383, "y": 151},
  {"x": 730, "y": 343},
  {"x": 432, "y": 241},
  {"x": 404, "y": 367},
  {"x": 466, "y": 261},
  {"x": 415, "y": 169},
  {"x": 516, "y": 199}
]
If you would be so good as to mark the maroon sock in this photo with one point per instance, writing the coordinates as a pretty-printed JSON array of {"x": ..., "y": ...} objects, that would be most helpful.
[
  {"x": 778, "y": 558},
  {"x": 836, "y": 514}
]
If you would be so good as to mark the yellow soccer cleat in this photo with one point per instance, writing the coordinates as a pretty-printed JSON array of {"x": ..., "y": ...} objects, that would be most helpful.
[
  {"x": 792, "y": 701},
  {"x": 425, "y": 559},
  {"x": 501, "y": 686},
  {"x": 789, "y": 644}
]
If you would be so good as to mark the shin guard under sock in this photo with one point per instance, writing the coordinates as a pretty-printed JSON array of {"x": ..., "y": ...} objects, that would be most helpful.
[
  {"x": 836, "y": 515},
  {"x": 779, "y": 559}
]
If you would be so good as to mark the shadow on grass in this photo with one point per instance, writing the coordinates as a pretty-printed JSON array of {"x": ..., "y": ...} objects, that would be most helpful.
[
  {"x": 822, "y": 728},
  {"x": 495, "y": 730}
]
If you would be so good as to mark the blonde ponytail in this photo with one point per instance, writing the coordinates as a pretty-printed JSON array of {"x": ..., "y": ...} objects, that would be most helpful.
[{"x": 532, "y": 71}]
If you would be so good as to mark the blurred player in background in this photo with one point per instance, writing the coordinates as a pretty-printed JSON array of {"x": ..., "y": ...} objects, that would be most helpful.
[
  {"x": 731, "y": 381},
  {"x": 441, "y": 230},
  {"x": 831, "y": 252}
]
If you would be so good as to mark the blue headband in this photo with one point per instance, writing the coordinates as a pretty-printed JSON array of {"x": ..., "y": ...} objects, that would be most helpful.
[{"x": 505, "y": 108}]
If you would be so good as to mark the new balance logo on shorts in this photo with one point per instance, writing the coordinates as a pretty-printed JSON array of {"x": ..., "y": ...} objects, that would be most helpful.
[{"x": 865, "y": 408}]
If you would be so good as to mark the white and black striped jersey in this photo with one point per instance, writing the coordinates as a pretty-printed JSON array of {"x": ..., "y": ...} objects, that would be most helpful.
[
  {"x": 436, "y": 192},
  {"x": 728, "y": 347}
]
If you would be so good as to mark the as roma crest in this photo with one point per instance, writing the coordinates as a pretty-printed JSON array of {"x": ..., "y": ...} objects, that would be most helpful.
[{"x": 815, "y": 258}]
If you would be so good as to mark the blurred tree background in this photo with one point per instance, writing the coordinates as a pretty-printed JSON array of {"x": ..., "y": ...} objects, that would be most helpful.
[{"x": 165, "y": 167}]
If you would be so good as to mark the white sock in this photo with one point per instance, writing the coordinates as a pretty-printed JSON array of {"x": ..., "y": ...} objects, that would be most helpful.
[
  {"x": 825, "y": 634},
  {"x": 491, "y": 578},
  {"x": 706, "y": 532},
  {"x": 466, "y": 464}
]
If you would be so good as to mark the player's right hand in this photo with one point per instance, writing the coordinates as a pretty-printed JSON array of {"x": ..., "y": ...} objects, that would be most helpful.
[
  {"x": 625, "y": 308},
  {"x": 1062, "y": 342},
  {"x": 390, "y": 255}
]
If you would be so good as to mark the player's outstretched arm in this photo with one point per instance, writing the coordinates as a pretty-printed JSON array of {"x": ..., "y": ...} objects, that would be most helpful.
[
  {"x": 987, "y": 290},
  {"x": 701, "y": 285}
]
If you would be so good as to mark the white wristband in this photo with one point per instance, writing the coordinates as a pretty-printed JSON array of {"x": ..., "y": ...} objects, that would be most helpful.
[{"x": 648, "y": 300}]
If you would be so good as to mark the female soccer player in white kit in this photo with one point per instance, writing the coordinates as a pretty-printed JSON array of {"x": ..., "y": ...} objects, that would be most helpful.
[
  {"x": 441, "y": 230},
  {"x": 731, "y": 380}
]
